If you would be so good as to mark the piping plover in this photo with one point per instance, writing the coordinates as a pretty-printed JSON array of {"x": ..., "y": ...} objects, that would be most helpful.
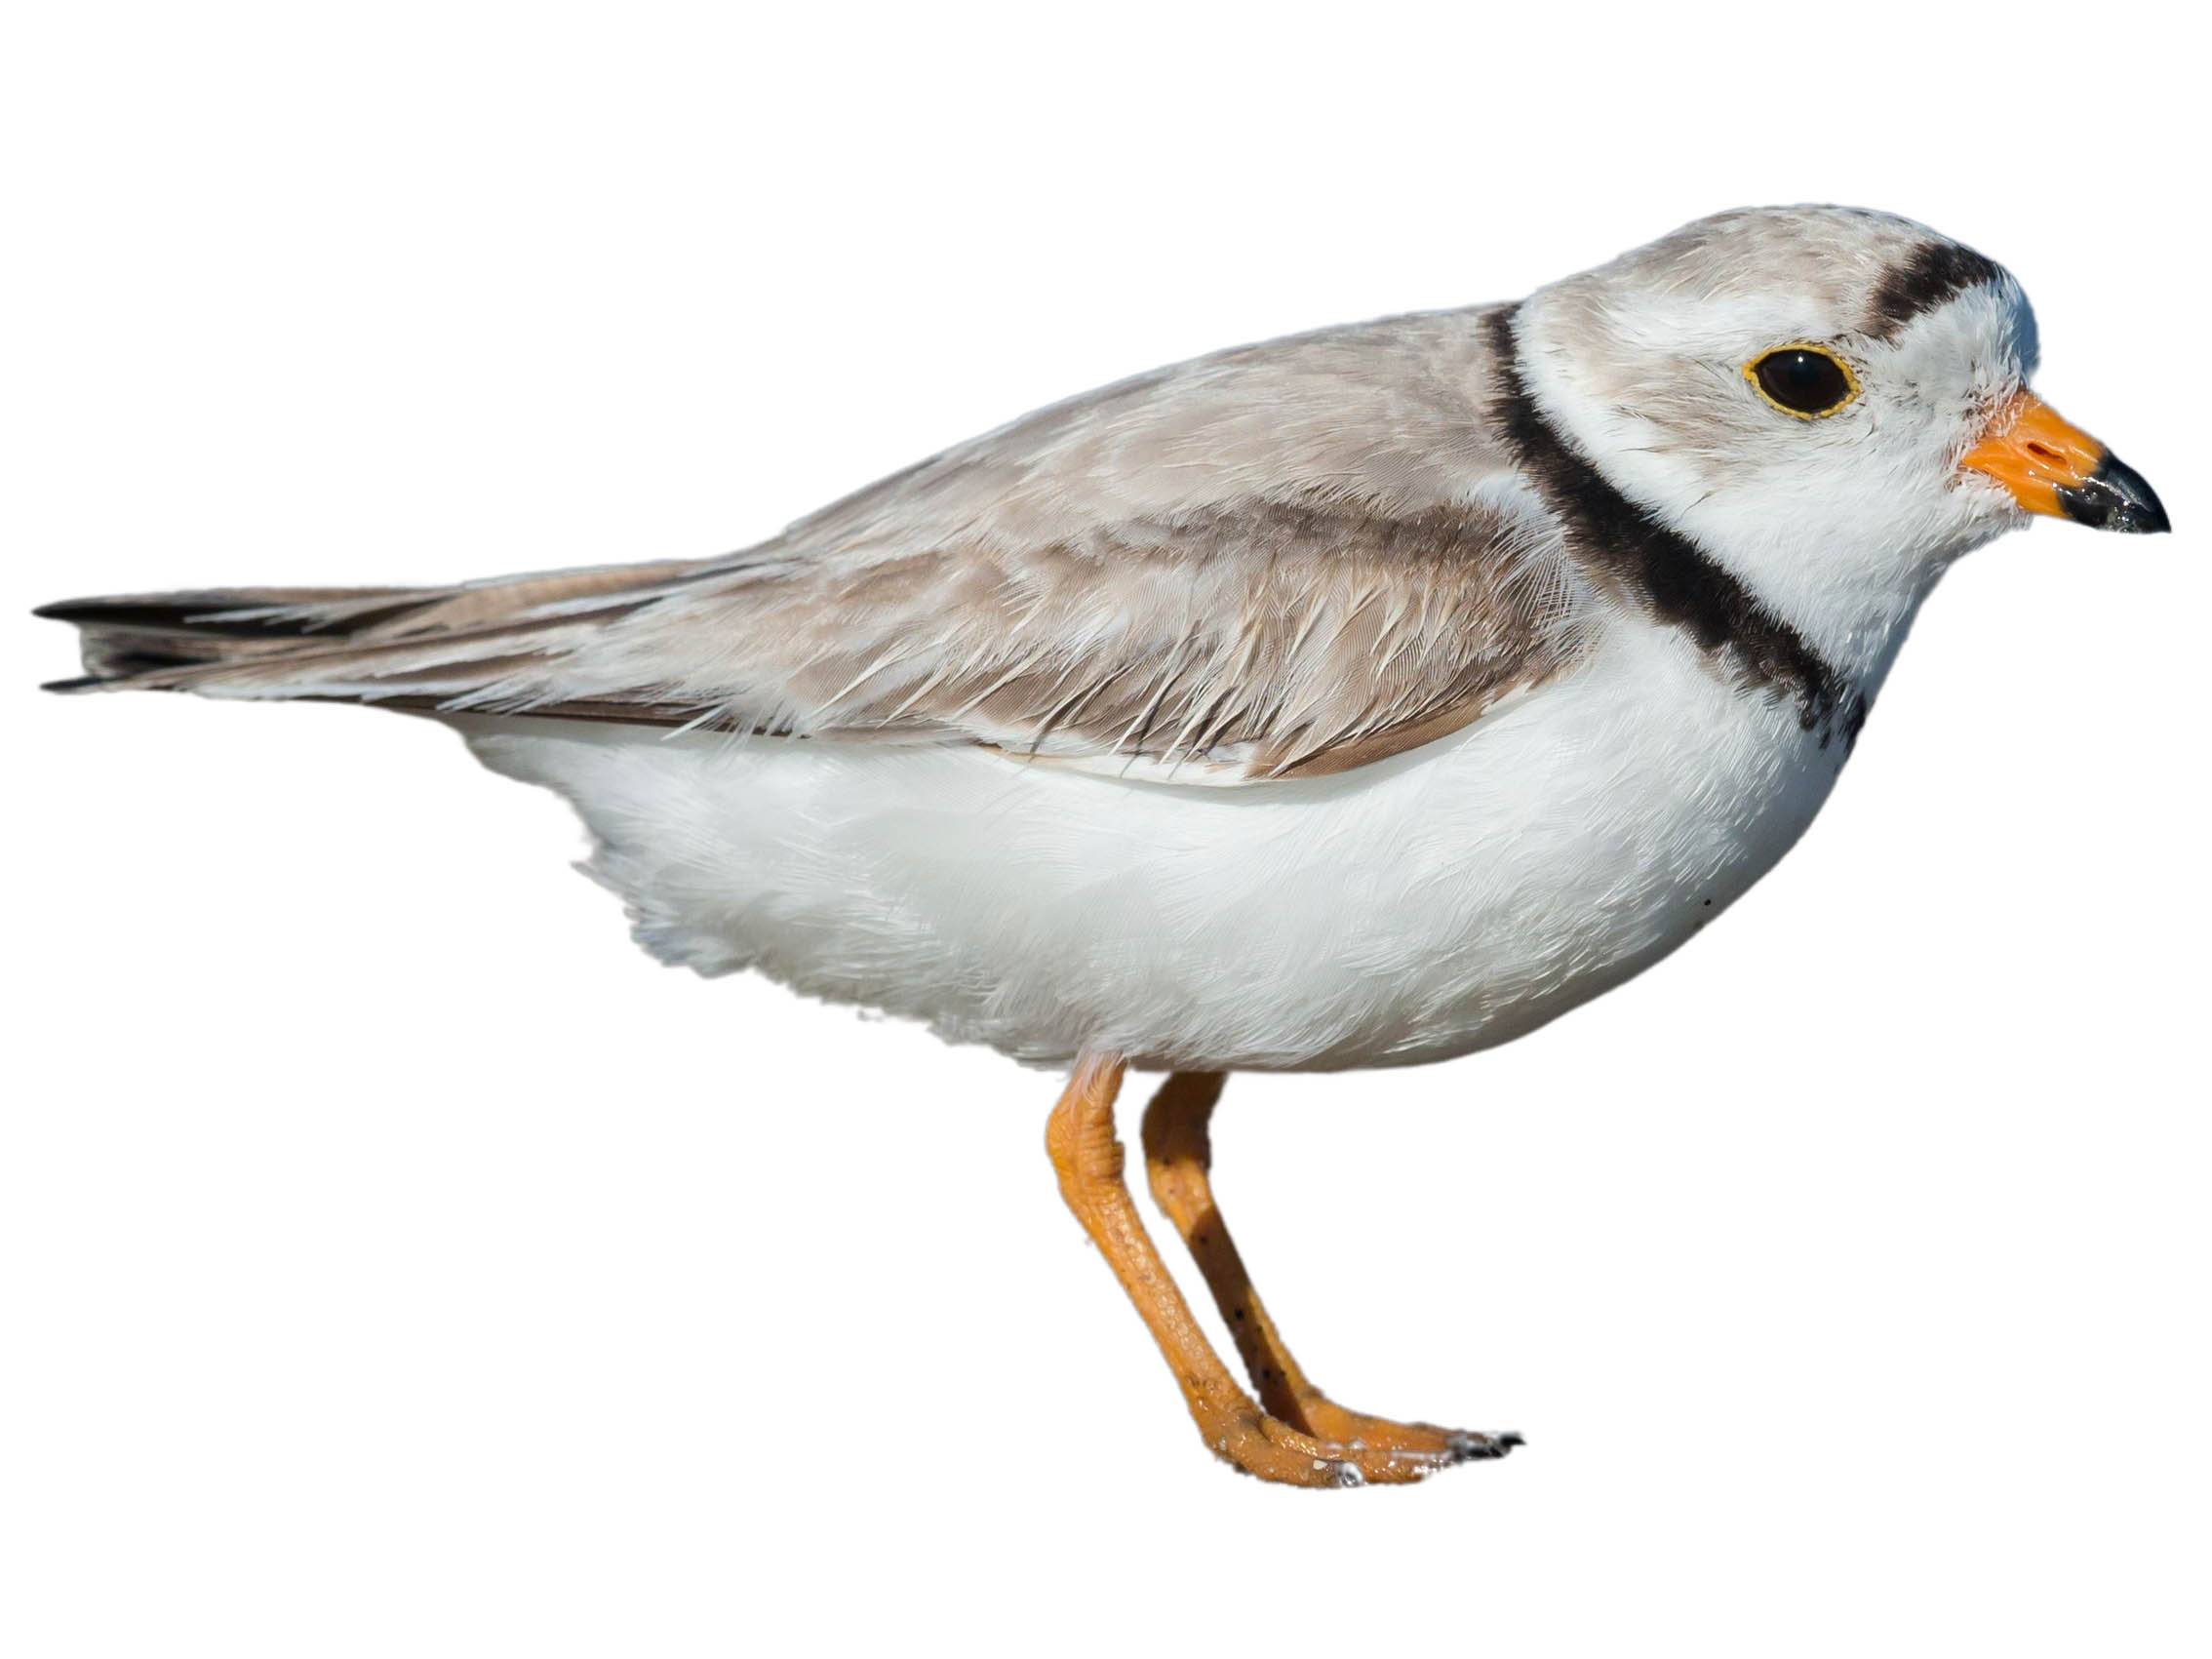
[{"x": 1355, "y": 699}]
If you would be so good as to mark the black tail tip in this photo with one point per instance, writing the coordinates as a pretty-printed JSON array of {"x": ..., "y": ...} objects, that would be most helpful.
[{"x": 73, "y": 611}]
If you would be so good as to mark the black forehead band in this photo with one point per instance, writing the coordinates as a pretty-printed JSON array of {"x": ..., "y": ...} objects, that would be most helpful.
[{"x": 1935, "y": 272}]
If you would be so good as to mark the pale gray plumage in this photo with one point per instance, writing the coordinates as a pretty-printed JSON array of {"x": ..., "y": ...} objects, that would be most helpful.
[
  {"x": 1278, "y": 566},
  {"x": 1269, "y": 556},
  {"x": 1295, "y": 556},
  {"x": 1527, "y": 637}
]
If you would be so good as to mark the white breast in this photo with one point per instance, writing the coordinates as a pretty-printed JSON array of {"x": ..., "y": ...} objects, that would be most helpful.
[{"x": 1439, "y": 901}]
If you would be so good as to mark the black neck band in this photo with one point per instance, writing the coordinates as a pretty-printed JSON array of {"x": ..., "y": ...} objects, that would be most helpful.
[{"x": 1661, "y": 568}]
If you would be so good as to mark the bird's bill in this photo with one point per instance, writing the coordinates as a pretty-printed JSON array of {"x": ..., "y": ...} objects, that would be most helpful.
[{"x": 2050, "y": 465}]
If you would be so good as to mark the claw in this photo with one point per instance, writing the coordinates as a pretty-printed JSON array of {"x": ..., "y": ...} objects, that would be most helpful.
[{"x": 1476, "y": 1448}]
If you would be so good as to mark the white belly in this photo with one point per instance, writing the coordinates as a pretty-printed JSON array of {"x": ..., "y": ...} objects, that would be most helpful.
[{"x": 1443, "y": 901}]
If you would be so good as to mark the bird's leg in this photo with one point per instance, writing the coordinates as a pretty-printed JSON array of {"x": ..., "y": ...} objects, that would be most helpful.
[
  {"x": 1089, "y": 1162},
  {"x": 1178, "y": 1155}
]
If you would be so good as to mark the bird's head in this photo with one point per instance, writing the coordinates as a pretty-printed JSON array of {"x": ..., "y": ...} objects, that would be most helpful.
[{"x": 1832, "y": 403}]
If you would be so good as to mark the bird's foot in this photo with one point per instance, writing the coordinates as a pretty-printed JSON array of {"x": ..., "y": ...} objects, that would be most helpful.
[
  {"x": 1326, "y": 1420},
  {"x": 1378, "y": 1452}
]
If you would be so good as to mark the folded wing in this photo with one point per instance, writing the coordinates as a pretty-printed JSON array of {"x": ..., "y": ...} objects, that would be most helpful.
[{"x": 1290, "y": 560}]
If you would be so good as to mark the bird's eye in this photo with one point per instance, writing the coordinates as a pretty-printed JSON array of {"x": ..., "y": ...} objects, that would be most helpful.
[{"x": 1802, "y": 380}]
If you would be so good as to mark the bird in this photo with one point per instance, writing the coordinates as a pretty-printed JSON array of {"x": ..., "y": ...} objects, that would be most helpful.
[{"x": 1360, "y": 698}]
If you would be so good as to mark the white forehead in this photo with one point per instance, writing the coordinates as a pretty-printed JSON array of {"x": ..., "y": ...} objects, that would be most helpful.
[{"x": 1984, "y": 334}]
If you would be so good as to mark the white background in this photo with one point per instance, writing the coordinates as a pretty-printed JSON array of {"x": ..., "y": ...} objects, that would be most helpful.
[{"x": 395, "y": 1261}]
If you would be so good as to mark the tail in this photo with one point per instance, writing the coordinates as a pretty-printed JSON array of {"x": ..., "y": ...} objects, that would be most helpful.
[{"x": 399, "y": 648}]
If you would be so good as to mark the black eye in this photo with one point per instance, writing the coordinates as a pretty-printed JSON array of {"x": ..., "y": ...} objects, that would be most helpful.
[{"x": 1804, "y": 380}]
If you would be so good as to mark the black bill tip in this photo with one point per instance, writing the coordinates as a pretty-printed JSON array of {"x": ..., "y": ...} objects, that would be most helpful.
[{"x": 2116, "y": 496}]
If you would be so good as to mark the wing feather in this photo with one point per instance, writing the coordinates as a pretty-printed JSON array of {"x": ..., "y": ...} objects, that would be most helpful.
[{"x": 1287, "y": 560}]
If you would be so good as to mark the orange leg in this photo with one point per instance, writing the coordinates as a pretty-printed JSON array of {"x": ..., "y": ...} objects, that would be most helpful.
[
  {"x": 1178, "y": 1155},
  {"x": 1087, "y": 1160}
]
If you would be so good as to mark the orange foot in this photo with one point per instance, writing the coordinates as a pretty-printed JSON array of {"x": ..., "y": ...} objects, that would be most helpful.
[
  {"x": 1357, "y": 1451},
  {"x": 1325, "y": 1420},
  {"x": 1178, "y": 1158}
]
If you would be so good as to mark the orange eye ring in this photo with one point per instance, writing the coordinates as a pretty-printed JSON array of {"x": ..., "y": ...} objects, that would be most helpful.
[{"x": 1804, "y": 380}]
